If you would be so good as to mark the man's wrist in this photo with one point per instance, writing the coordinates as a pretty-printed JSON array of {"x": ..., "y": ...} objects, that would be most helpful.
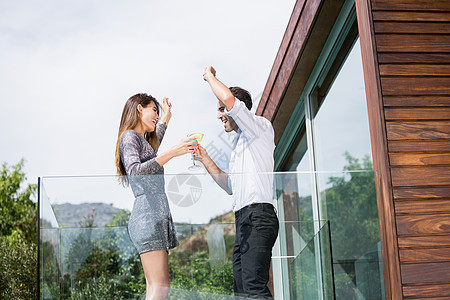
[
  {"x": 205, "y": 161},
  {"x": 210, "y": 76},
  {"x": 209, "y": 164}
]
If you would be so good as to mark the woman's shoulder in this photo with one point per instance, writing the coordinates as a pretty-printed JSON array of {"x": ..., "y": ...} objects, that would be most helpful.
[
  {"x": 130, "y": 135},
  {"x": 130, "y": 132}
]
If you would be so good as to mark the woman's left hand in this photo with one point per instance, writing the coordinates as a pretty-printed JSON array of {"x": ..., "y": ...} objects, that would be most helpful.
[{"x": 166, "y": 106}]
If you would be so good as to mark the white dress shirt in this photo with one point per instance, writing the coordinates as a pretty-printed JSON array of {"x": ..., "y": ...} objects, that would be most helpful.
[{"x": 251, "y": 164}]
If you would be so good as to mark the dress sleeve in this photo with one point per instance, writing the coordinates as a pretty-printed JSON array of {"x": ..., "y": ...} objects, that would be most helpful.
[
  {"x": 160, "y": 131},
  {"x": 130, "y": 143}
]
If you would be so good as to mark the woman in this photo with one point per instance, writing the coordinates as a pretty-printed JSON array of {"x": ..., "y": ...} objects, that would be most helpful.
[{"x": 150, "y": 226}]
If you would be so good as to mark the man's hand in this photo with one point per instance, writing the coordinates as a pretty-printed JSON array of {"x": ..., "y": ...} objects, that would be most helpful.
[
  {"x": 219, "y": 176},
  {"x": 221, "y": 92},
  {"x": 201, "y": 153},
  {"x": 209, "y": 72}
]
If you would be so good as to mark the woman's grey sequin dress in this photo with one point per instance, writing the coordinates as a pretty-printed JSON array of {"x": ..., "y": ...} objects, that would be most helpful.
[{"x": 150, "y": 226}]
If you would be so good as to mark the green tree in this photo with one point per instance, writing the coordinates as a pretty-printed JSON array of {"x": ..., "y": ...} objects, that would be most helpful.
[
  {"x": 349, "y": 203},
  {"x": 120, "y": 218},
  {"x": 17, "y": 209},
  {"x": 351, "y": 206},
  {"x": 102, "y": 261},
  {"x": 18, "y": 233},
  {"x": 352, "y": 210}
]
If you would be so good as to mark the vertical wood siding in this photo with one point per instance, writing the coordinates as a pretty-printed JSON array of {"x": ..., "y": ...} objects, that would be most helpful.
[{"x": 412, "y": 40}]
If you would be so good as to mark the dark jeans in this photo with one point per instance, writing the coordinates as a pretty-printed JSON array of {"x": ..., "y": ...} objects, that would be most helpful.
[{"x": 256, "y": 232}]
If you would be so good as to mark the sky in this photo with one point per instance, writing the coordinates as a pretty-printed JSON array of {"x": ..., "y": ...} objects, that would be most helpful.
[{"x": 67, "y": 68}]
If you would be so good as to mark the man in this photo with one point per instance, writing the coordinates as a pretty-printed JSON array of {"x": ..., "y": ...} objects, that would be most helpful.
[{"x": 250, "y": 182}]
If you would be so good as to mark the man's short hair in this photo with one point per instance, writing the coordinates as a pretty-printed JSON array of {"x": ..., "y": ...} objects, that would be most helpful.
[{"x": 242, "y": 95}]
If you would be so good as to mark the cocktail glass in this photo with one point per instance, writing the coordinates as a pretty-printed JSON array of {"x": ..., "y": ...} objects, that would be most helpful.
[{"x": 198, "y": 137}]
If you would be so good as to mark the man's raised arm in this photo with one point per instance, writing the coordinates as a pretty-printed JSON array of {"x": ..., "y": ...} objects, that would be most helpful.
[{"x": 221, "y": 91}]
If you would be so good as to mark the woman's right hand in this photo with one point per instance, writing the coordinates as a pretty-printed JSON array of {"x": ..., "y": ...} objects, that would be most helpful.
[{"x": 186, "y": 145}]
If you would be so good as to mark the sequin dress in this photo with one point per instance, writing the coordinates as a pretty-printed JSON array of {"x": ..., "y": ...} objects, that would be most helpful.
[{"x": 150, "y": 225}]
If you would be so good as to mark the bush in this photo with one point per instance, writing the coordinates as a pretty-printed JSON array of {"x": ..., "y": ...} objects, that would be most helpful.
[
  {"x": 196, "y": 273},
  {"x": 18, "y": 268},
  {"x": 100, "y": 288}
]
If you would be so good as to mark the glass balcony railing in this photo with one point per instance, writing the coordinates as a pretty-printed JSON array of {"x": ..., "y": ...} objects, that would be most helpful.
[
  {"x": 305, "y": 269},
  {"x": 323, "y": 251}
]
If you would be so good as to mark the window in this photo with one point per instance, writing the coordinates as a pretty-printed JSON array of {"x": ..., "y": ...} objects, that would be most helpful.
[{"x": 333, "y": 145}]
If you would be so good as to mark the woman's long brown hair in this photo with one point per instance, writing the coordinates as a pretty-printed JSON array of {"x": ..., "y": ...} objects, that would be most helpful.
[{"x": 130, "y": 119}]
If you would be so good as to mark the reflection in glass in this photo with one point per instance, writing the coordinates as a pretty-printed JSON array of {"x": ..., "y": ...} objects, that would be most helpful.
[
  {"x": 348, "y": 201},
  {"x": 334, "y": 144},
  {"x": 351, "y": 209},
  {"x": 340, "y": 123},
  {"x": 89, "y": 259},
  {"x": 304, "y": 271},
  {"x": 297, "y": 193}
]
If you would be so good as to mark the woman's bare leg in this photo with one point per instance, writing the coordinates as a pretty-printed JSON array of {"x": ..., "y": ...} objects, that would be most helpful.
[{"x": 156, "y": 270}]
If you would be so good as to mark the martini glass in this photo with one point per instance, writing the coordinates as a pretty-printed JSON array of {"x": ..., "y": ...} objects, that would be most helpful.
[{"x": 198, "y": 137}]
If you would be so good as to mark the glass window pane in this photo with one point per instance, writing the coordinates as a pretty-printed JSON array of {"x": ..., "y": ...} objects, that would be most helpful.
[
  {"x": 348, "y": 199},
  {"x": 298, "y": 187},
  {"x": 340, "y": 124}
]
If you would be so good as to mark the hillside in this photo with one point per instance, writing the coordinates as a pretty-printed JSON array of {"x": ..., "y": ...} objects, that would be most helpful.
[{"x": 70, "y": 215}]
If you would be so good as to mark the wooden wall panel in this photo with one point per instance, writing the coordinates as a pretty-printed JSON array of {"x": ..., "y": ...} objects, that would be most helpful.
[
  {"x": 423, "y": 224},
  {"x": 422, "y": 206},
  {"x": 416, "y": 16},
  {"x": 408, "y": 27},
  {"x": 420, "y": 176},
  {"x": 426, "y": 273},
  {"x": 427, "y": 5},
  {"x": 418, "y": 58},
  {"x": 412, "y": 43},
  {"x": 409, "y": 113},
  {"x": 420, "y": 146},
  {"x": 418, "y": 130},
  {"x": 419, "y": 159},
  {"x": 416, "y": 69},
  {"x": 421, "y": 242},
  {"x": 413, "y": 51},
  {"x": 422, "y": 192},
  {"x": 430, "y": 255},
  {"x": 408, "y": 5},
  {"x": 417, "y": 100},
  {"x": 415, "y": 85},
  {"x": 427, "y": 291}
]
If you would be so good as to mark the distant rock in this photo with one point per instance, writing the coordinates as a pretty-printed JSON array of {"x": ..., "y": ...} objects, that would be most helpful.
[{"x": 72, "y": 215}]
